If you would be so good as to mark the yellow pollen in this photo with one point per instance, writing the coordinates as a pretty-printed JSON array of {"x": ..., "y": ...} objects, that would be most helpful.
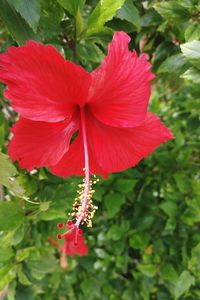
[{"x": 89, "y": 211}]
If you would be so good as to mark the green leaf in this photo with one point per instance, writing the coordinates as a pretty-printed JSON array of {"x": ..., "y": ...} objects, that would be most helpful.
[
  {"x": 50, "y": 20},
  {"x": 174, "y": 64},
  {"x": 192, "y": 32},
  {"x": 24, "y": 293},
  {"x": 181, "y": 182},
  {"x": 125, "y": 185},
  {"x": 72, "y": 6},
  {"x": 194, "y": 261},
  {"x": 183, "y": 284},
  {"x": 87, "y": 51},
  {"x": 11, "y": 215},
  {"x": 28, "y": 9},
  {"x": 172, "y": 11},
  {"x": 3, "y": 128},
  {"x": 170, "y": 208},
  {"x": 139, "y": 240},
  {"x": 17, "y": 26},
  {"x": 7, "y": 274},
  {"x": 168, "y": 272},
  {"x": 191, "y": 51},
  {"x": 29, "y": 184},
  {"x": 8, "y": 176},
  {"x": 148, "y": 270},
  {"x": 6, "y": 253},
  {"x": 39, "y": 268},
  {"x": 113, "y": 203},
  {"x": 103, "y": 12},
  {"x": 115, "y": 232},
  {"x": 22, "y": 254},
  {"x": 192, "y": 74},
  {"x": 129, "y": 13},
  {"x": 79, "y": 23},
  {"x": 23, "y": 279},
  {"x": 52, "y": 214}
]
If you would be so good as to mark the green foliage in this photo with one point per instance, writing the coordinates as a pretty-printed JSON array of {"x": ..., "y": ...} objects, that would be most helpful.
[
  {"x": 172, "y": 11},
  {"x": 103, "y": 12},
  {"x": 72, "y": 6},
  {"x": 28, "y": 9},
  {"x": 130, "y": 13},
  {"x": 16, "y": 25},
  {"x": 8, "y": 176},
  {"x": 145, "y": 243}
]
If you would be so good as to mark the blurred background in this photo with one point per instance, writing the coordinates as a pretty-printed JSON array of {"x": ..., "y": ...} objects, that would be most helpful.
[{"x": 145, "y": 241}]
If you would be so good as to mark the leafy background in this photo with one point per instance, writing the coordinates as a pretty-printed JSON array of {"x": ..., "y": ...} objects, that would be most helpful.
[{"x": 145, "y": 243}]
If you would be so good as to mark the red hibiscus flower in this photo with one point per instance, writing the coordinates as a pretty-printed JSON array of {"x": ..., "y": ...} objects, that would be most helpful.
[{"x": 108, "y": 107}]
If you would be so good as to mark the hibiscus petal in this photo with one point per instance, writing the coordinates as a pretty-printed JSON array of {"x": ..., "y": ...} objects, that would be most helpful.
[
  {"x": 118, "y": 148},
  {"x": 42, "y": 86},
  {"x": 38, "y": 144},
  {"x": 73, "y": 162},
  {"x": 120, "y": 88}
]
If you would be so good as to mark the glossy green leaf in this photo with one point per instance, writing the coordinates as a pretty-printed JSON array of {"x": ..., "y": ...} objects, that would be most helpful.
[
  {"x": 8, "y": 176},
  {"x": 148, "y": 270},
  {"x": 25, "y": 293},
  {"x": 176, "y": 63},
  {"x": 130, "y": 13},
  {"x": 7, "y": 274},
  {"x": 192, "y": 32},
  {"x": 50, "y": 20},
  {"x": 79, "y": 23},
  {"x": 194, "y": 262},
  {"x": 170, "y": 208},
  {"x": 168, "y": 272},
  {"x": 181, "y": 182},
  {"x": 139, "y": 240},
  {"x": 89, "y": 52},
  {"x": 172, "y": 11},
  {"x": 22, "y": 254},
  {"x": 113, "y": 203},
  {"x": 23, "y": 279},
  {"x": 125, "y": 185},
  {"x": 115, "y": 232},
  {"x": 183, "y": 284},
  {"x": 28, "y": 9},
  {"x": 191, "y": 51},
  {"x": 72, "y": 6},
  {"x": 103, "y": 12},
  {"x": 6, "y": 253},
  {"x": 11, "y": 215},
  {"x": 17, "y": 26},
  {"x": 192, "y": 74}
]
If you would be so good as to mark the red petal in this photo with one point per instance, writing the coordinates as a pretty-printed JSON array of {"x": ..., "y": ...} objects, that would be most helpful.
[
  {"x": 73, "y": 163},
  {"x": 42, "y": 86},
  {"x": 38, "y": 144},
  {"x": 118, "y": 148},
  {"x": 120, "y": 87}
]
